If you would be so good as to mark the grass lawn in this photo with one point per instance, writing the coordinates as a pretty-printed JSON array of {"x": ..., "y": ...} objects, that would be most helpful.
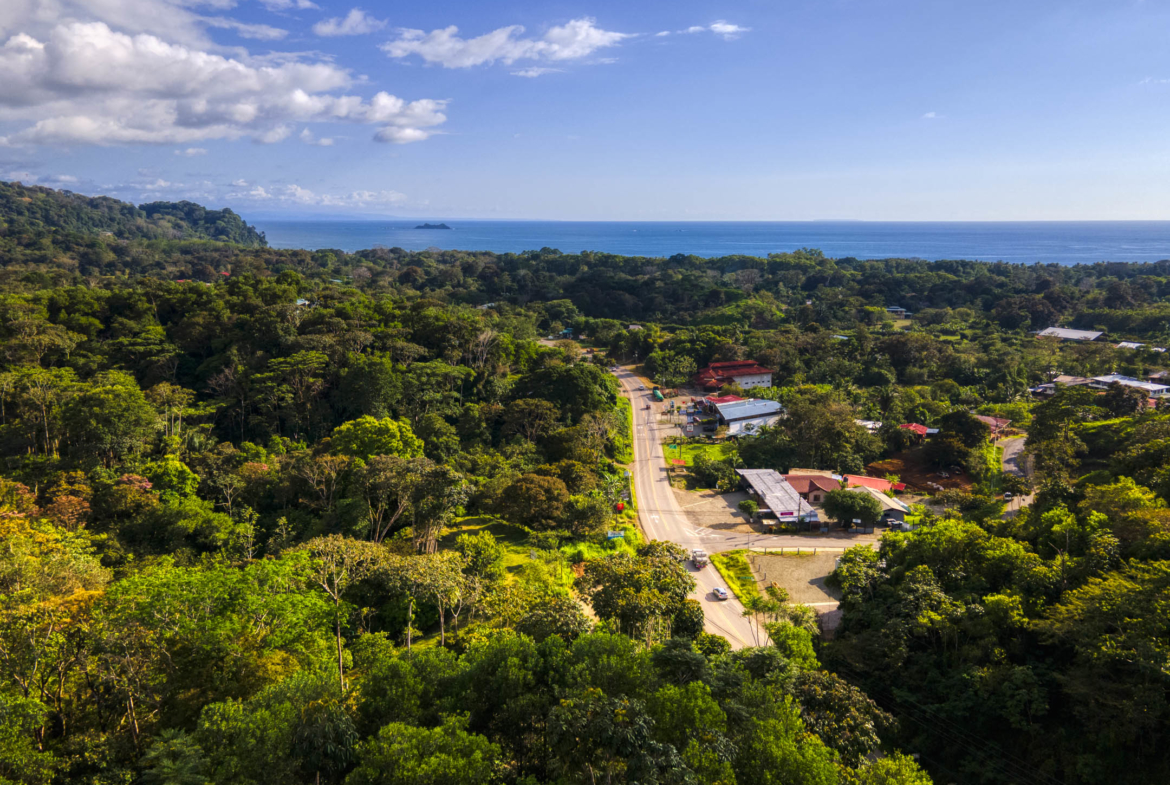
[
  {"x": 737, "y": 573},
  {"x": 687, "y": 452}
]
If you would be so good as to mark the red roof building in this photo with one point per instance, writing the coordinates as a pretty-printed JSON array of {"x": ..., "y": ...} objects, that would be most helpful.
[
  {"x": 877, "y": 483},
  {"x": 721, "y": 399},
  {"x": 997, "y": 424},
  {"x": 745, "y": 373},
  {"x": 813, "y": 487},
  {"x": 921, "y": 430}
]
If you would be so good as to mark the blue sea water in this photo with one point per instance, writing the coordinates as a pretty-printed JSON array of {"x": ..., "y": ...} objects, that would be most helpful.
[{"x": 1021, "y": 243}]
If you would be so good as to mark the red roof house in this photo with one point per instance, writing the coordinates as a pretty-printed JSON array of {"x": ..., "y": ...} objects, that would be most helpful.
[
  {"x": 997, "y": 424},
  {"x": 921, "y": 430}
]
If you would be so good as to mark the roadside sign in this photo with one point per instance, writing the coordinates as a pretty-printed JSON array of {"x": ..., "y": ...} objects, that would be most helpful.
[
  {"x": 614, "y": 535},
  {"x": 678, "y": 461}
]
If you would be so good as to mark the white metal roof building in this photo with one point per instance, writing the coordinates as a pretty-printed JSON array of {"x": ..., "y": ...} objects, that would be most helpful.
[
  {"x": 745, "y": 418},
  {"x": 1070, "y": 335},
  {"x": 778, "y": 497},
  {"x": 746, "y": 410},
  {"x": 1150, "y": 388}
]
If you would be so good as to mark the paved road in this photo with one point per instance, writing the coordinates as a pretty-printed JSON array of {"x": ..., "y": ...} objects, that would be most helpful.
[
  {"x": 1014, "y": 462},
  {"x": 662, "y": 518}
]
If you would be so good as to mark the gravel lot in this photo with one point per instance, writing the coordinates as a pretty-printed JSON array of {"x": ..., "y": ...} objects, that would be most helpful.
[{"x": 802, "y": 576}]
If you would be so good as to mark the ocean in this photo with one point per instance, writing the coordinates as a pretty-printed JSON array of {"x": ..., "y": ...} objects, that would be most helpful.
[{"x": 1021, "y": 243}]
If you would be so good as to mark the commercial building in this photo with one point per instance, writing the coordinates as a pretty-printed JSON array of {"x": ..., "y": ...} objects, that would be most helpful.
[
  {"x": 743, "y": 418},
  {"x": 745, "y": 373},
  {"x": 779, "y": 502}
]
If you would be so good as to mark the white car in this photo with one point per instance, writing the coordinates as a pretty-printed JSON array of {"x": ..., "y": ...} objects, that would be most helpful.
[
  {"x": 641, "y": 387},
  {"x": 720, "y": 594}
]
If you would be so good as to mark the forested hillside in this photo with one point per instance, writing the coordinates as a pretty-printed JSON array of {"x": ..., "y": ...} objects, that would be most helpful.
[
  {"x": 311, "y": 517},
  {"x": 33, "y": 217}
]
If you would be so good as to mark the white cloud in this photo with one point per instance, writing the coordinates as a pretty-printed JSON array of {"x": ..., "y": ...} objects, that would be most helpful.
[
  {"x": 240, "y": 183},
  {"x": 191, "y": 152},
  {"x": 85, "y": 83},
  {"x": 663, "y": 34},
  {"x": 727, "y": 30},
  {"x": 930, "y": 116},
  {"x": 308, "y": 138},
  {"x": 244, "y": 30},
  {"x": 536, "y": 71},
  {"x": 296, "y": 194},
  {"x": 285, "y": 5},
  {"x": 274, "y": 135},
  {"x": 356, "y": 22},
  {"x": 573, "y": 40},
  {"x": 723, "y": 28}
]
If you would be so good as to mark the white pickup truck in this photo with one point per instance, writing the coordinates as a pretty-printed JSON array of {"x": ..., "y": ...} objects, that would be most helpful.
[{"x": 700, "y": 558}]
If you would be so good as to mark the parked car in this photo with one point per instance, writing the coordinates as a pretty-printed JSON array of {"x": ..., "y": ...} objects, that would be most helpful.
[
  {"x": 720, "y": 594},
  {"x": 1007, "y": 496}
]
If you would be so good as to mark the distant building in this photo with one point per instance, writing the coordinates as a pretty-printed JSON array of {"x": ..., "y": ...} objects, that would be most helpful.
[
  {"x": 1159, "y": 376},
  {"x": 1129, "y": 345},
  {"x": 997, "y": 424},
  {"x": 1151, "y": 389},
  {"x": 745, "y": 373},
  {"x": 914, "y": 427},
  {"x": 873, "y": 426},
  {"x": 635, "y": 327},
  {"x": 1065, "y": 334},
  {"x": 898, "y": 312},
  {"x": 1063, "y": 379}
]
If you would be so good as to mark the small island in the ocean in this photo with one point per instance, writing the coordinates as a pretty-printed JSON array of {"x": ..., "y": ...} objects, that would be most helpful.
[{"x": 432, "y": 226}]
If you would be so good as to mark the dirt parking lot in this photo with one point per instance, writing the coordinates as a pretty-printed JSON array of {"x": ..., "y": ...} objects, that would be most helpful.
[
  {"x": 707, "y": 509},
  {"x": 803, "y": 576}
]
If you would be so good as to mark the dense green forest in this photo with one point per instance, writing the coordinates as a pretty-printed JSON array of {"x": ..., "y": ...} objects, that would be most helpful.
[
  {"x": 304, "y": 517},
  {"x": 34, "y": 218}
]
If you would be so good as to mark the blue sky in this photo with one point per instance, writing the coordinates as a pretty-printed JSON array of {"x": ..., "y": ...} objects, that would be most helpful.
[{"x": 750, "y": 110}]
